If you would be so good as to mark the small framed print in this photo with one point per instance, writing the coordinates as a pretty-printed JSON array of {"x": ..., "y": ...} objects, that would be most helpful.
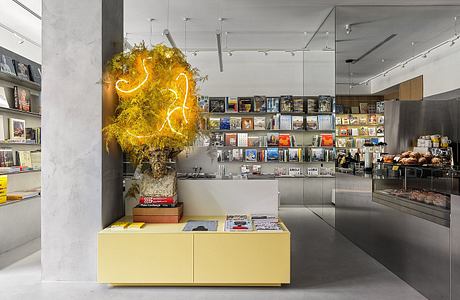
[{"x": 17, "y": 129}]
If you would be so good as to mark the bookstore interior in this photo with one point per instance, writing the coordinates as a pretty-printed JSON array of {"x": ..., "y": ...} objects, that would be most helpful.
[{"x": 205, "y": 123}]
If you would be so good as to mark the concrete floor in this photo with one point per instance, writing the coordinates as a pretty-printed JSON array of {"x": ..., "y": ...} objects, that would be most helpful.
[{"x": 325, "y": 265}]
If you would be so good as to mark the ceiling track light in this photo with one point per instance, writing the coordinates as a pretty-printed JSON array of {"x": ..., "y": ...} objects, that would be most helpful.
[
  {"x": 348, "y": 28},
  {"x": 219, "y": 49},
  {"x": 169, "y": 37},
  {"x": 230, "y": 53}
]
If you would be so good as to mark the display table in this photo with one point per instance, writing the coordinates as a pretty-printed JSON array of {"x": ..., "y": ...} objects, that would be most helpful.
[{"x": 163, "y": 254}]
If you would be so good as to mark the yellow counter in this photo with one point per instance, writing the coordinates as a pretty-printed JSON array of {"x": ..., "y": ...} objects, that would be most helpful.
[{"x": 163, "y": 254}]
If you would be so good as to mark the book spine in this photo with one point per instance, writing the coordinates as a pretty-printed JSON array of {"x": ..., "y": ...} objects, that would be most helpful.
[
  {"x": 150, "y": 200},
  {"x": 16, "y": 97}
]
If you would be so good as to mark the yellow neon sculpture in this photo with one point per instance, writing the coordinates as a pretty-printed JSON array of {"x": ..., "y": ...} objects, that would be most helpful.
[{"x": 158, "y": 106}]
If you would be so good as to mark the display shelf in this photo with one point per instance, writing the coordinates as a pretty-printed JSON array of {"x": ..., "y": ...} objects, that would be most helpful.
[
  {"x": 270, "y": 130},
  {"x": 275, "y": 162},
  {"x": 359, "y": 125},
  {"x": 12, "y": 202},
  {"x": 360, "y": 114},
  {"x": 19, "y": 172},
  {"x": 259, "y": 113},
  {"x": 20, "y": 112},
  {"x": 16, "y": 80},
  {"x": 266, "y": 147}
]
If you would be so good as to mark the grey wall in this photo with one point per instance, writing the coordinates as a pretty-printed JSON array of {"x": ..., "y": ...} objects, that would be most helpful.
[{"x": 76, "y": 173}]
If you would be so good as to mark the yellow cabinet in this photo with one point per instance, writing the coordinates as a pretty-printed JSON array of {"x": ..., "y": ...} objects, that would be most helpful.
[
  {"x": 142, "y": 258},
  {"x": 243, "y": 258}
]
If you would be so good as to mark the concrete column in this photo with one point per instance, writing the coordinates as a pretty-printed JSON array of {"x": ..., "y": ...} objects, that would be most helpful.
[{"x": 81, "y": 184}]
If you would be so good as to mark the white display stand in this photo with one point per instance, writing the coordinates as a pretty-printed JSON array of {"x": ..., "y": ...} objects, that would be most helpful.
[{"x": 221, "y": 197}]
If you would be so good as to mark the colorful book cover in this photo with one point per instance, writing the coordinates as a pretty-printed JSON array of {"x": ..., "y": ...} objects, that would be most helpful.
[
  {"x": 295, "y": 154},
  {"x": 286, "y": 104},
  {"x": 380, "y": 131},
  {"x": 373, "y": 119},
  {"x": 327, "y": 140},
  {"x": 317, "y": 154},
  {"x": 345, "y": 120},
  {"x": 254, "y": 141},
  {"x": 225, "y": 123},
  {"x": 235, "y": 123},
  {"x": 353, "y": 120},
  {"x": 363, "y": 131},
  {"x": 217, "y": 104},
  {"x": 312, "y": 105},
  {"x": 272, "y": 154},
  {"x": 338, "y": 121},
  {"x": 299, "y": 104},
  {"x": 381, "y": 120},
  {"x": 245, "y": 104},
  {"x": 363, "y": 108},
  {"x": 284, "y": 140},
  {"x": 260, "y": 104},
  {"x": 231, "y": 105},
  {"x": 325, "y": 103},
  {"x": 231, "y": 139},
  {"x": 372, "y": 131},
  {"x": 214, "y": 123},
  {"x": 363, "y": 120},
  {"x": 247, "y": 123},
  {"x": 341, "y": 142},
  {"x": 242, "y": 140},
  {"x": 273, "y": 104},
  {"x": 273, "y": 138},
  {"x": 203, "y": 103},
  {"x": 250, "y": 155}
]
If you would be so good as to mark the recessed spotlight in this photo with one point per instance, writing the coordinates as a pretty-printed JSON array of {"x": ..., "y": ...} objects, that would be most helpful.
[
  {"x": 425, "y": 55},
  {"x": 265, "y": 53},
  {"x": 348, "y": 28},
  {"x": 383, "y": 60},
  {"x": 194, "y": 53},
  {"x": 229, "y": 53},
  {"x": 292, "y": 53},
  {"x": 452, "y": 43}
]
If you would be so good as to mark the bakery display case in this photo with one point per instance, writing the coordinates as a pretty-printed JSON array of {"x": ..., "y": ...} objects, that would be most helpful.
[{"x": 422, "y": 191}]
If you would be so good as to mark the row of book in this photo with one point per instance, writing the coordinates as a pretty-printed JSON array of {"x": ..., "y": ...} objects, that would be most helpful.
[
  {"x": 20, "y": 69},
  {"x": 271, "y": 139},
  {"x": 357, "y": 142},
  {"x": 363, "y": 108},
  {"x": 276, "y": 155},
  {"x": 235, "y": 223},
  {"x": 361, "y": 131},
  {"x": 288, "y": 103},
  {"x": 26, "y": 159},
  {"x": 367, "y": 119},
  {"x": 158, "y": 201},
  {"x": 276, "y": 122},
  {"x": 289, "y": 171}
]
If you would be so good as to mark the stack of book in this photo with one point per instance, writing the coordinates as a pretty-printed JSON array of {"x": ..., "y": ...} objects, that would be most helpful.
[
  {"x": 238, "y": 223},
  {"x": 266, "y": 223},
  {"x": 158, "y": 210}
]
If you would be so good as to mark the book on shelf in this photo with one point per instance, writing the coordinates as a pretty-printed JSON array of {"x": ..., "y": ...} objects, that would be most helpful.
[
  {"x": 22, "y": 70},
  {"x": 299, "y": 104},
  {"x": 343, "y": 131},
  {"x": 286, "y": 103},
  {"x": 273, "y": 138},
  {"x": 254, "y": 141},
  {"x": 338, "y": 121},
  {"x": 214, "y": 123},
  {"x": 17, "y": 129},
  {"x": 317, "y": 154},
  {"x": 237, "y": 154},
  {"x": 272, "y": 154},
  {"x": 354, "y": 132},
  {"x": 341, "y": 142},
  {"x": 284, "y": 140},
  {"x": 273, "y": 104},
  {"x": 245, "y": 104},
  {"x": 325, "y": 122},
  {"x": 247, "y": 123},
  {"x": 380, "y": 107},
  {"x": 23, "y": 159},
  {"x": 380, "y": 130},
  {"x": 22, "y": 195},
  {"x": 316, "y": 140},
  {"x": 200, "y": 225},
  {"x": 325, "y": 104},
  {"x": 312, "y": 122},
  {"x": 285, "y": 122},
  {"x": 238, "y": 225},
  {"x": 362, "y": 120},
  {"x": 381, "y": 120},
  {"x": 372, "y": 120},
  {"x": 294, "y": 171},
  {"x": 297, "y": 123},
  {"x": 358, "y": 143},
  {"x": 259, "y": 123},
  {"x": 371, "y": 109},
  {"x": 256, "y": 169},
  {"x": 3, "y": 99},
  {"x": 295, "y": 154},
  {"x": 235, "y": 123},
  {"x": 6, "y": 157},
  {"x": 22, "y": 99},
  {"x": 353, "y": 120},
  {"x": 220, "y": 155},
  {"x": 274, "y": 122},
  {"x": 36, "y": 159},
  {"x": 217, "y": 104},
  {"x": 231, "y": 104},
  {"x": 225, "y": 123},
  {"x": 327, "y": 140},
  {"x": 136, "y": 225},
  {"x": 217, "y": 139},
  {"x": 312, "y": 105},
  {"x": 231, "y": 139},
  {"x": 267, "y": 226},
  {"x": 35, "y": 74},
  {"x": 236, "y": 217},
  {"x": 363, "y": 108},
  {"x": 355, "y": 109},
  {"x": 260, "y": 104},
  {"x": 363, "y": 130},
  {"x": 350, "y": 142},
  {"x": 339, "y": 109},
  {"x": 345, "y": 120},
  {"x": 372, "y": 131},
  {"x": 242, "y": 139},
  {"x": 119, "y": 225},
  {"x": 158, "y": 200},
  {"x": 250, "y": 155},
  {"x": 7, "y": 65},
  {"x": 203, "y": 103}
]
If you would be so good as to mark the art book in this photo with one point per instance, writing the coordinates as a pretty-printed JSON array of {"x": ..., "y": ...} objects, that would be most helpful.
[
  {"x": 7, "y": 65},
  {"x": 272, "y": 154},
  {"x": 214, "y": 124},
  {"x": 250, "y": 155},
  {"x": 325, "y": 122},
  {"x": 273, "y": 138},
  {"x": 217, "y": 104},
  {"x": 260, "y": 104},
  {"x": 247, "y": 123},
  {"x": 380, "y": 131},
  {"x": 325, "y": 103},
  {"x": 372, "y": 119},
  {"x": 231, "y": 105},
  {"x": 259, "y": 123},
  {"x": 254, "y": 141},
  {"x": 312, "y": 122},
  {"x": 317, "y": 154},
  {"x": 299, "y": 104},
  {"x": 245, "y": 104},
  {"x": 203, "y": 103},
  {"x": 231, "y": 139},
  {"x": 284, "y": 140},
  {"x": 286, "y": 104},
  {"x": 235, "y": 123},
  {"x": 312, "y": 105},
  {"x": 22, "y": 99},
  {"x": 327, "y": 140},
  {"x": 372, "y": 131},
  {"x": 363, "y": 108},
  {"x": 242, "y": 139},
  {"x": 286, "y": 122},
  {"x": 297, "y": 122},
  {"x": 295, "y": 154},
  {"x": 225, "y": 123},
  {"x": 341, "y": 142},
  {"x": 22, "y": 70},
  {"x": 273, "y": 104}
]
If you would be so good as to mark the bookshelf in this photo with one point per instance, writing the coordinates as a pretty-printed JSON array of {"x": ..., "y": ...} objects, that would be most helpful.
[{"x": 305, "y": 124}]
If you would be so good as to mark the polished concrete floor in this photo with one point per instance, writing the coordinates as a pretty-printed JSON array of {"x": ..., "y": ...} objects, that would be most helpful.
[{"x": 325, "y": 265}]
